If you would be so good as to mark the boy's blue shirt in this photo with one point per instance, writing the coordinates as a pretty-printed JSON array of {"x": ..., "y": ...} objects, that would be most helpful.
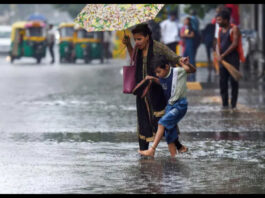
[
  {"x": 174, "y": 84},
  {"x": 166, "y": 84}
]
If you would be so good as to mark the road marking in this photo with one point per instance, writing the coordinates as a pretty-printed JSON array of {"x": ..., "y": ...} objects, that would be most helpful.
[
  {"x": 194, "y": 86},
  {"x": 217, "y": 99},
  {"x": 201, "y": 64},
  {"x": 240, "y": 107}
]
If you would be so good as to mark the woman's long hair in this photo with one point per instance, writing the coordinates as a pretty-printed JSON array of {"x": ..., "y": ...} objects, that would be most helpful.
[
  {"x": 144, "y": 30},
  {"x": 189, "y": 24}
]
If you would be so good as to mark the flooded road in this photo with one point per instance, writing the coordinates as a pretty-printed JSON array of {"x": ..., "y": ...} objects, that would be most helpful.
[{"x": 69, "y": 129}]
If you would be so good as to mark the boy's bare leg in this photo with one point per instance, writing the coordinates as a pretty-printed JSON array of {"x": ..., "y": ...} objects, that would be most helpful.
[
  {"x": 183, "y": 149},
  {"x": 172, "y": 149},
  {"x": 158, "y": 137}
]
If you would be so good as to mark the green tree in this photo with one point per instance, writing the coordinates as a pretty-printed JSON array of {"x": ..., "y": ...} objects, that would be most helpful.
[
  {"x": 201, "y": 9},
  {"x": 72, "y": 9},
  {"x": 162, "y": 15},
  {"x": 4, "y": 8}
]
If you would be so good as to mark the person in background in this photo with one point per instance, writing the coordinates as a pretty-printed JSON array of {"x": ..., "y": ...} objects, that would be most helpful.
[
  {"x": 235, "y": 19},
  {"x": 194, "y": 20},
  {"x": 155, "y": 28},
  {"x": 195, "y": 23},
  {"x": 182, "y": 40},
  {"x": 106, "y": 43},
  {"x": 188, "y": 36},
  {"x": 227, "y": 49},
  {"x": 170, "y": 31},
  {"x": 207, "y": 39},
  {"x": 51, "y": 41},
  {"x": 218, "y": 10}
]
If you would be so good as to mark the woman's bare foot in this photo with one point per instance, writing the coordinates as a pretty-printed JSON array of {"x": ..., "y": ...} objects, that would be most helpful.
[
  {"x": 183, "y": 149},
  {"x": 149, "y": 152}
]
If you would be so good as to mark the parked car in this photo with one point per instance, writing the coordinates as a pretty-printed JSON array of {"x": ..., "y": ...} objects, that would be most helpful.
[{"x": 5, "y": 39}]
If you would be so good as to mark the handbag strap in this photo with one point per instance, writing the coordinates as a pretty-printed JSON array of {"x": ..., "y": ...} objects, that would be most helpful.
[{"x": 133, "y": 57}]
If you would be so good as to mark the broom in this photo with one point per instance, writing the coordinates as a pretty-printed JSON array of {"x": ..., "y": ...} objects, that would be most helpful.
[
  {"x": 232, "y": 70},
  {"x": 215, "y": 62}
]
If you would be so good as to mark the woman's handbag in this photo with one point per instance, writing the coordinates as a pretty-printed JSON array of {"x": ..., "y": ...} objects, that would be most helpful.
[{"x": 129, "y": 75}]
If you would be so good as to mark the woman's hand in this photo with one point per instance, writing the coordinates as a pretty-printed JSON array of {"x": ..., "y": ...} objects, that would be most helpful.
[
  {"x": 152, "y": 79},
  {"x": 149, "y": 78},
  {"x": 126, "y": 41}
]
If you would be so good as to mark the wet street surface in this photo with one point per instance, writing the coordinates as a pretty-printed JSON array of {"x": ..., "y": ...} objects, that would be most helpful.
[{"x": 68, "y": 128}]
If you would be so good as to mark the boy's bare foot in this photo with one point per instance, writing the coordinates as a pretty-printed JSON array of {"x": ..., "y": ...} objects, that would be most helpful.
[
  {"x": 183, "y": 149},
  {"x": 149, "y": 152}
]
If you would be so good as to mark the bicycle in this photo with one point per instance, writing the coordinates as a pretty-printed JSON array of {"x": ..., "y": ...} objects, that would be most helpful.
[
  {"x": 254, "y": 66},
  {"x": 256, "y": 59}
]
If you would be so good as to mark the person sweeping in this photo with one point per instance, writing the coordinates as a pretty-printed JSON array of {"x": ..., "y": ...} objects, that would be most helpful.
[{"x": 229, "y": 49}]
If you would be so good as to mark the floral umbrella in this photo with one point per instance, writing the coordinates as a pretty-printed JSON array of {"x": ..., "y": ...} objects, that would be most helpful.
[{"x": 112, "y": 17}]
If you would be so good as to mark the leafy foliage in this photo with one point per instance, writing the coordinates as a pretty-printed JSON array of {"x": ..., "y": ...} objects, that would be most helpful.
[
  {"x": 201, "y": 9},
  {"x": 72, "y": 9},
  {"x": 162, "y": 15},
  {"x": 4, "y": 7}
]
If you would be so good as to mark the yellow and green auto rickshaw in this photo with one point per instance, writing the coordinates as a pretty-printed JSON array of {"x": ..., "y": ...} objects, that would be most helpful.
[
  {"x": 28, "y": 39},
  {"x": 66, "y": 46},
  {"x": 88, "y": 45}
]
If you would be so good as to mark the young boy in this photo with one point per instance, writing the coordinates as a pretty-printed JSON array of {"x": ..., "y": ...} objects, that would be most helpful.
[{"x": 173, "y": 82}]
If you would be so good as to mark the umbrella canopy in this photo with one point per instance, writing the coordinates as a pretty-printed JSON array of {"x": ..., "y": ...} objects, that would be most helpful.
[
  {"x": 112, "y": 17},
  {"x": 37, "y": 17}
]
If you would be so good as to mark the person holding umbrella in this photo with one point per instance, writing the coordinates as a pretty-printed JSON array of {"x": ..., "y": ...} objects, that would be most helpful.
[
  {"x": 113, "y": 17},
  {"x": 152, "y": 107}
]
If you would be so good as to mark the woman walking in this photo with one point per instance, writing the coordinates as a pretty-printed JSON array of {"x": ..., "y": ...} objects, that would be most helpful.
[
  {"x": 189, "y": 35},
  {"x": 152, "y": 107}
]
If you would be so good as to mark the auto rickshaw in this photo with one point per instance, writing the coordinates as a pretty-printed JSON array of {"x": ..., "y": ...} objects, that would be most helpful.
[
  {"x": 28, "y": 39},
  {"x": 66, "y": 46},
  {"x": 88, "y": 45}
]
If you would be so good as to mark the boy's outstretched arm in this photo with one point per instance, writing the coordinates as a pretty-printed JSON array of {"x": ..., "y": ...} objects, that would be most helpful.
[{"x": 189, "y": 68}]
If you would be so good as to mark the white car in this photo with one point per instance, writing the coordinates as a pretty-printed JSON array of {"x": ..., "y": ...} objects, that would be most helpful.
[{"x": 5, "y": 39}]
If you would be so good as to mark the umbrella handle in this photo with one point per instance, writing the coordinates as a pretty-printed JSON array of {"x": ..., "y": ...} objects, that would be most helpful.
[{"x": 125, "y": 36}]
